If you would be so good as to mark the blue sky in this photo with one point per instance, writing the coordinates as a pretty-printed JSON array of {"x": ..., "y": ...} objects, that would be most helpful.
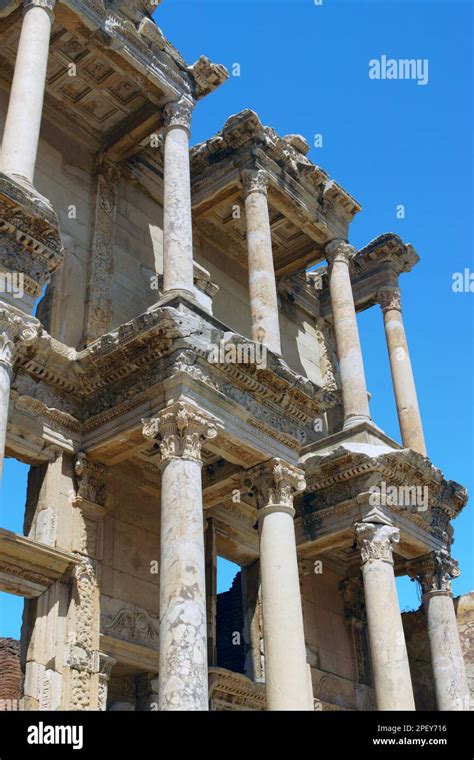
[{"x": 304, "y": 69}]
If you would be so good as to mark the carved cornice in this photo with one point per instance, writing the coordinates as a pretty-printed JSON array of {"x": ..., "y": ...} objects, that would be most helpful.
[
  {"x": 375, "y": 540},
  {"x": 434, "y": 572},
  {"x": 388, "y": 250},
  {"x": 207, "y": 76},
  {"x": 180, "y": 430},
  {"x": 274, "y": 483},
  {"x": 31, "y": 244}
]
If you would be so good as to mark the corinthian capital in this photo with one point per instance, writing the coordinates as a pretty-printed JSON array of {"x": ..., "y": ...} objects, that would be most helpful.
[
  {"x": 178, "y": 113},
  {"x": 375, "y": 541},
  {"x": 434, "y": 572},
  {"x": 180, "y": 430},
  {"x": 339, "y": 250},
  {"x": 15, "y": 328},
  {"x": 254, "y": 181},
  {"x": 47, "y": 5},
  {"x": 389, "y": 298},
  {"x": 274, "y": 483}
]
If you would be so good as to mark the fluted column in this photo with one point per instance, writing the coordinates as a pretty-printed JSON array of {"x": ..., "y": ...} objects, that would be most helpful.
[
  {"x": 180, "y": 430},
  {"x": 262, "y": 284},
  {"x": 15, "y": 328},
  {"x": 286, "y": 672},
  {"x": 177, "y": 223},
  {"x": 402, "y": 373},
  {"x": 25, "y": 107},
  {"x": 391, "y": 671},
  {"x": 434, "y": 573},
  {"x": 349, "y": 354}
]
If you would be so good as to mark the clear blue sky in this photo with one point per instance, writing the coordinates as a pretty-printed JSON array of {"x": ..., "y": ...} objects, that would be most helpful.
[{"x": 304, "y": 68}]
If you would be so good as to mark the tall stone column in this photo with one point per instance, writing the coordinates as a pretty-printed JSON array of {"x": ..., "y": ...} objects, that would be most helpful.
[
  {"x": 177, "y": 224},
  {"x": 434, "y": 573},
  {"x": 15, "y": 328},
  {"x": 262, "y": 284},
  {"x": 183, "y": 679},
  {"x": 25, "y": 108},
  {"x": 391, "y": 671},
  {"x": 402, "y": 373},
  {"x": 286, "y": 672},
  {"x": 349, "y": 354}
]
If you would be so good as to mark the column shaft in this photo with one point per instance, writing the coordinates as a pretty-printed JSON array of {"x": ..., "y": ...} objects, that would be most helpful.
[
  {"x": 349, "y": 354},
  {"x": 183, "y": 634},
  {"x": 262, "y": 284},
  {"x": 25, "y": 108},
  {"x": 402, "y": 373},
  {"x": 4, "y": 403},
  {"x": 391, "y": 671},
  {"x": 177, "y": 225}
]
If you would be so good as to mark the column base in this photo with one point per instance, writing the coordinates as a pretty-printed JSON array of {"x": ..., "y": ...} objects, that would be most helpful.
[
  {"x": 354, "y": 420},
  {"x": 172, "y": 295}
]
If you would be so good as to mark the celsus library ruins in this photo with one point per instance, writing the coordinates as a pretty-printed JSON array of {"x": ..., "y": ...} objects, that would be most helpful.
[{"x": 181, "y": 370}]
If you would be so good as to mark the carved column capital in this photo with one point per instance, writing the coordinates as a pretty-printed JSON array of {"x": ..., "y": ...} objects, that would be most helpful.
[
  {"x": 254, "y": 181},
  {"x": 434, "y": 572},
  {"x": 274, "y": 484},
  {"x": 89, "y": 475},
  {"x": 180, "y": 430},
  {"x": 15, "y": 328},
  {"x": 46, "y": 5},
  {"x": 178, "y": 113},
  {"x": 375, "y": 540},
  {"x": 389, "y": 298},
  {"x": 339, "y": 250}
]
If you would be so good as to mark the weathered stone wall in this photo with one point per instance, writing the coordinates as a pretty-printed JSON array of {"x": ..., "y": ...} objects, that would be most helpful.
[
  {"x": 414, "y": 625},
  {"x": 10, "y": 673}
]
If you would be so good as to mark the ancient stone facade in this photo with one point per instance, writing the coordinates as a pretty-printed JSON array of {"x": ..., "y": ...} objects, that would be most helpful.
[{"x": 182, "y": 387}]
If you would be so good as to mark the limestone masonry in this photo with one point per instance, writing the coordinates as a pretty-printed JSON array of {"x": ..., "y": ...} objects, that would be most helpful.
[{"x": 183, "y": 388}]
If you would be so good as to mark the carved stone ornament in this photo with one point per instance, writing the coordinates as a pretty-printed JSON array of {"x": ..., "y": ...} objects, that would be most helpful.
[
  {"x": 89, "y": 475},
  {"x": 339, "y": 250},
  {"x": 47, "y": 5},
  {"x": 178, "y": 113},
  {"x": 375, "y": 541},
  {"x": 274, "y": 483},
  {"x": 15, "y": 328},
  {"x": 389, "y": 298},
  {"x": 434, "y": 572},
  {"x": 254, "y": 181},
  {"x": 180, "y": 430}
]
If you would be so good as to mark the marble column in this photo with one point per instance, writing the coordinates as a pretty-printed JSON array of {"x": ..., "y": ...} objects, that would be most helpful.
[
  {"x": 15, "y": 328},
  {"x": 25, "y": 107},
  {"x": 434, "y": 573},
  {"x": 177, "y": 223},
  {"x": 402, "y": 373},
  {"x": 262, "y": 284},
  {"x": 286, "y": 672},
  {"x": 349, "y": 354},
  {"x": 183, "y": 678},
  {"x": 391, "y": 672}
]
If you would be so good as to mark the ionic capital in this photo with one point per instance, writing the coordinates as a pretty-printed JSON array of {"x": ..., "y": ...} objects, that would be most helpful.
[
  {"x": 254, "y": 181},
  {"x": 180, "y": 431},
  {"x": 178, "y": 113},
  {"x": 15, "y": 328},
  {"x": 389, "y": 298},
  {"x": 339, "y": 250},
  {"x": 375, "y": 540},
  {"x": 434, "y": 572},
  {"x": 274, "y": 484},
  {"x": 47, "y": 5}
]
